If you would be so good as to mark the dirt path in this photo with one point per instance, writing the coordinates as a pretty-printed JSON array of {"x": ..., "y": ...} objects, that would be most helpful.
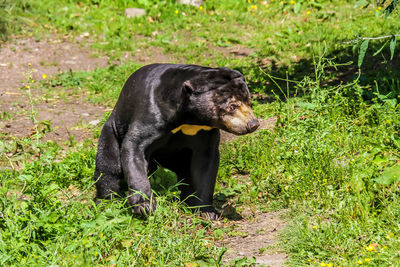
[
  {"x": 254, "y": 236},
  {"x": 51, "y": 56},
  {"x": 46, "y": 57}
]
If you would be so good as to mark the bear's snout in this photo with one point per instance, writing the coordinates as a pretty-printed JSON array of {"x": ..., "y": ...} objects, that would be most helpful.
[
  {"x": 242, "y": 121},
  {"x": 252, "y": 125}
]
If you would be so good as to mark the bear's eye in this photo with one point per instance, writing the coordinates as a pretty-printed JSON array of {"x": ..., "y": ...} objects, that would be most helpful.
[{"x": 233, "y": 107}]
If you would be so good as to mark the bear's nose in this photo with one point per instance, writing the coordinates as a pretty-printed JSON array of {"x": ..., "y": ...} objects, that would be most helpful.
[{"x": 252, "y": 125}]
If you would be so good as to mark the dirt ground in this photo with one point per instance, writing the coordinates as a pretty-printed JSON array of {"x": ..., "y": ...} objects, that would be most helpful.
[
  {"x": 253, "y": 236},
  {"x": 54, "y": 55},
  {"x": 47, "y": 57}
]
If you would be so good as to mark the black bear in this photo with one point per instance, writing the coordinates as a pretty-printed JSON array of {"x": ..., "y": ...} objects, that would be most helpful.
[{"x": 170, "y": 114}]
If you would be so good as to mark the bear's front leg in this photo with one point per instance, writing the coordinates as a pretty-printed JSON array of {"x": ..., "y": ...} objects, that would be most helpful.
[
  {"x": 134, "y": 165},
  {"x": 204, "y": 168}
]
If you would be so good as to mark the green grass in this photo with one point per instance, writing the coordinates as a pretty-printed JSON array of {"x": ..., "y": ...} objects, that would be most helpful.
[
  {"x": 103, "y": 85},
  {"x": 48, "y": 217},
  {"x": 331, "y": 161}
]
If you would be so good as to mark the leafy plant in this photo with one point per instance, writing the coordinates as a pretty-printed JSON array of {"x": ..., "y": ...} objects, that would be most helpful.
[{"x": 361, "y": 43}]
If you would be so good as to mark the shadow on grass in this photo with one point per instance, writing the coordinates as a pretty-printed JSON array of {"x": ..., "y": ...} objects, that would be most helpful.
[
  {"x": 271, "y": 79},
  {"x": 228, "y": 211}
]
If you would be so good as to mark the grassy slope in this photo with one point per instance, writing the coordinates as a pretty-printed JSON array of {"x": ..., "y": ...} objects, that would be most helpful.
[{"x": 327, "y": 161}]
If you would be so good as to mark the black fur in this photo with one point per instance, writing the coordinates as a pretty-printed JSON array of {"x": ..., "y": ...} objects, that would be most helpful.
[{"x": 155, "y": 100}]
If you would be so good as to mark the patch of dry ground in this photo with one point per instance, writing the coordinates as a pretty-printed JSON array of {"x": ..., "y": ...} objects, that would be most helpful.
[
  {"x": 254, "y": 236},
  {"x": 48, "y": 57},
  {"x": 52, "y": 56}
]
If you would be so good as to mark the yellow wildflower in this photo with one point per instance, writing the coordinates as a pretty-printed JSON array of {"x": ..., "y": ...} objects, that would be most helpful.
[
  {"x": 367, "y": 260},
  {"x": 360, "y": 262},
  {"x": 389, "y": 235},
  {"x": 44, "y": 76},
  {"x": 370, "y": 247},
  {"x": 315, "y": 227},
  {"x": 329, "y": 264},
  {"x": 308, "y": 12},
  {"x": 201, "y": 7},
  {"x": 27, "y": 87},
  {"x": 292, "y": 2},
  {"x": 176, "y": 11}
]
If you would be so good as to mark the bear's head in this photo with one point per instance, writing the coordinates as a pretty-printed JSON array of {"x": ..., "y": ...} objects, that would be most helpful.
[{"x": 220, "y": 98}]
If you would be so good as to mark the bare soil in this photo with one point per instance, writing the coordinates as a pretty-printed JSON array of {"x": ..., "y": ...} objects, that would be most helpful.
[
  {"x": 254, "y": 236},
  {"x": 235, "y": 50},
  {"x": 47, "y": 57},
  {"x": 55, "y": 55}
]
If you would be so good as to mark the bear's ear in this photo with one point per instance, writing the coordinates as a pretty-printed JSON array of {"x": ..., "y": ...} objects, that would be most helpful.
[{"x": 187, "y": 87}]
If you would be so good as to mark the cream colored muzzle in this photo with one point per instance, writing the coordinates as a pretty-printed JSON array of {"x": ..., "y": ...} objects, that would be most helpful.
[{"x": 242, "y": 121}]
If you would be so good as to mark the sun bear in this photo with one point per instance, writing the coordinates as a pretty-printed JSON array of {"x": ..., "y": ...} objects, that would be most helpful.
[{"x": 170, "y": 115}]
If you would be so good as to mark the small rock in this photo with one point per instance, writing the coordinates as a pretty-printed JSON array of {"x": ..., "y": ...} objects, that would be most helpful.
[
  {"x": 85, "y": 34},
  {"x": 191, "y": 2},
  {"x": 70, "y": 62},
  {"x": 85, "y": 114},
  {"x": 134, "y": 12},
  {"x": 94, "y": 122},
  {"x": 241, "y": 254}
]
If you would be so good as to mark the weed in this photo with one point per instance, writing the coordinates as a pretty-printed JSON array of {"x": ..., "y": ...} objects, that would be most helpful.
[
  {"x": 4, "y": 115},
  {"x": 29, "y": 82}
]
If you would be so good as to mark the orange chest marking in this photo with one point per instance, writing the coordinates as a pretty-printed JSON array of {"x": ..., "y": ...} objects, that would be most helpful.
[{"x": 191, "y": 129}]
